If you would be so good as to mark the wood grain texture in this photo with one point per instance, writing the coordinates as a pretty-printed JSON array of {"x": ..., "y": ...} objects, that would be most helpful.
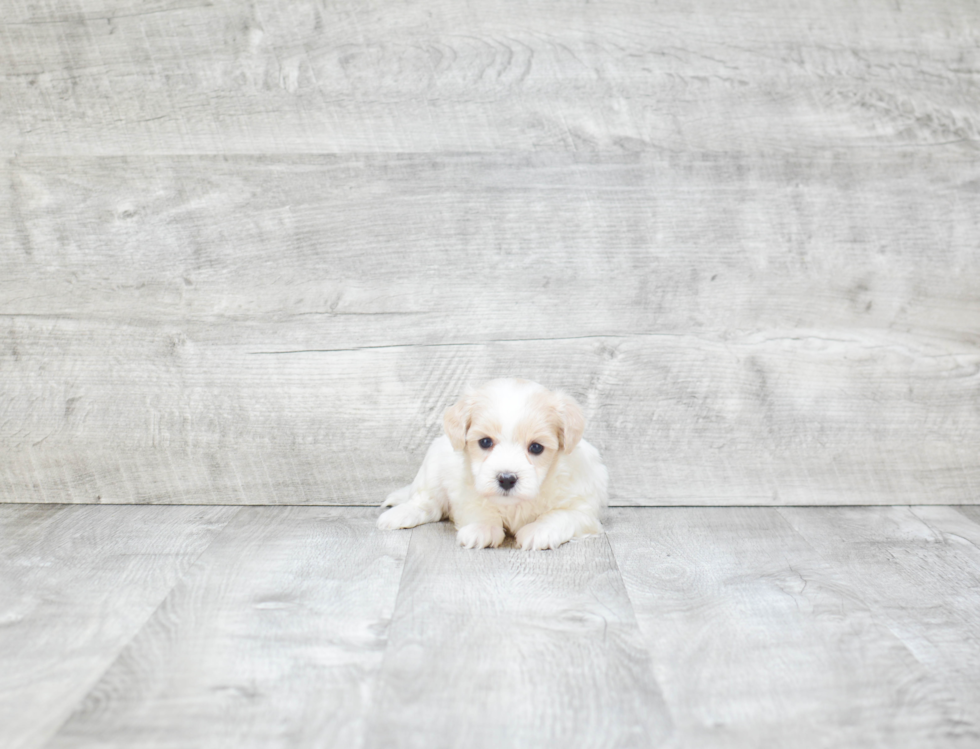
[
  {"x": 272, "y": 640},
  {"x": 756, "y": 640},
  {"x": 288, "y": 330},
  {"x": 678, "y": 419},
  {"x": 511, "y": 648},
  {"x": 373, "y": 250},
  {"x": 112, "y": 77},
  {"x": 919, "y": 572},
  {"x": 704, "y": 627},
  {"x": 249, "y": 253},
  {"x": 76, "y": 584},
  {"x": 973, "y": 513}
]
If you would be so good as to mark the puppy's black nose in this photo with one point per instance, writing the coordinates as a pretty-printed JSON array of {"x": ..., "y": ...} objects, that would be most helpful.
[{"x": 507, "y": 480}]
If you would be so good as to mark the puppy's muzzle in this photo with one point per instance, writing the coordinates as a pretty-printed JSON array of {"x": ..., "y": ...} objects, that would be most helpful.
[{"x": 506, "y": 481}]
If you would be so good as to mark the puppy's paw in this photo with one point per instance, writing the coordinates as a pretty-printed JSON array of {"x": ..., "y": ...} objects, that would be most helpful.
[
  {"x": 542, "y": 536},
  {"x": 397, "y": 497},
  {"x": 403, "y": 516},
  {"x": 480, "y": 536}
]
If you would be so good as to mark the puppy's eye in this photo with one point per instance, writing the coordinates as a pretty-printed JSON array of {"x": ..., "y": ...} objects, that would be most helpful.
[
  {"x": 535, "y": 449},
  {"x": 486, "y": 443}
]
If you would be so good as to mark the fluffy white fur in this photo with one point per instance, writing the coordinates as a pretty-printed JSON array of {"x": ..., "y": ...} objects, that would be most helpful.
[{"x": 556, "y": 495}]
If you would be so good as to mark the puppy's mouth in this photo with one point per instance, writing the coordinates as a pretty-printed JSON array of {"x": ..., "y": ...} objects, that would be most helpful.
[
  {"x": 506, "y": 488},
  {"x": 506, "y": 497},
  {"x": 509, "y": 495}
]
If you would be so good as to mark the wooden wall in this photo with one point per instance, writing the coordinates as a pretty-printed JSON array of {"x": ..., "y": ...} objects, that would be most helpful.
[{"x": 250, "y": 252}]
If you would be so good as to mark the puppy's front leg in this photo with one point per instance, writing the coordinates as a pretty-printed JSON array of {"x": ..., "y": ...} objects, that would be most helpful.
[
  {"x": 478, "y": 527},
  {"x": 419, "y": 509},
  {"x": 397, "y": 497},
  {"x": 554, "y": 528}
]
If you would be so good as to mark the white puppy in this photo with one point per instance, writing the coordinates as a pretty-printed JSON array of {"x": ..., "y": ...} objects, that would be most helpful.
[{"x": 512, "y": 458}]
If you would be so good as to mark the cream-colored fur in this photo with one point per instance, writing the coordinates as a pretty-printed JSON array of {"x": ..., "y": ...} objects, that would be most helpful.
[{"x": 557, "y": 495}]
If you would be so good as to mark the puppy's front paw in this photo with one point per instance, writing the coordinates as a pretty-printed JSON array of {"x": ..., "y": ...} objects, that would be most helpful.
[
  {"x": 542, "y": 536},
  {"x": 402, "y": 516},
  {"x": 480, "y": 536},
  {"x": 397, "y": 497}
]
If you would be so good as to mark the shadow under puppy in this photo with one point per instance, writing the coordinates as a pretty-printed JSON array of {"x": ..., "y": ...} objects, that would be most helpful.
[{"x": 513, "y": 459}]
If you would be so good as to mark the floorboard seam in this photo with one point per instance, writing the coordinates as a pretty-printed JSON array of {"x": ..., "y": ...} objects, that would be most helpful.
[
  {"x": 371, "y": 708},
  {"x": 961, "y": 514},
  {"x": 642, "y": 636}
]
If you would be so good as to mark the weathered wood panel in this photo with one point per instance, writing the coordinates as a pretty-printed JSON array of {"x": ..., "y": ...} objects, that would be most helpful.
[
  {"x": 76, "y": 584},
  {"x": 111, "y": 77},
  {"x": 272, "y": 640},
  {"x": 750, "y": 182},
  {"x": 382, "y": 250},
  {"x": 679, "y": 419},
  {"x": 510, "y": 648},
  {"x": 289, "y": 330},
  {"x": 919, "y": 572},
  {"x": 756, "y": 640}
]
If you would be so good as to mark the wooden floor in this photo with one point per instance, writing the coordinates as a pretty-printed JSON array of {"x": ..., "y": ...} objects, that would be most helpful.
[{"x": 149, "y": 626}]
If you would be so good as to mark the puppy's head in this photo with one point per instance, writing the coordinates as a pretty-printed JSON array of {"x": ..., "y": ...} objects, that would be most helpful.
[{"x": 512, "y": 432}]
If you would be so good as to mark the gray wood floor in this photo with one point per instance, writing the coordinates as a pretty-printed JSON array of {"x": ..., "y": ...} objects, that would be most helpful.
[
  {"x": 250, "y": 251},
  {"x": 148, "y": 626}
]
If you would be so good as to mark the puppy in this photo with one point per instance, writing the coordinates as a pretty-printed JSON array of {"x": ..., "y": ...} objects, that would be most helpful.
[{"x": 512, "y": 459}]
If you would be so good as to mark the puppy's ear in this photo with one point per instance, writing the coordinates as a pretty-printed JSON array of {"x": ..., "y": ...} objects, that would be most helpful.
[
  {"x": 456, "y": 421},
  {"x": 573, "y": 421}
]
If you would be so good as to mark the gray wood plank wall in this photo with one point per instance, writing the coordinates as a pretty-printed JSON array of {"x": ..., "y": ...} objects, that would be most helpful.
[{"x": 249, "y": 253}]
